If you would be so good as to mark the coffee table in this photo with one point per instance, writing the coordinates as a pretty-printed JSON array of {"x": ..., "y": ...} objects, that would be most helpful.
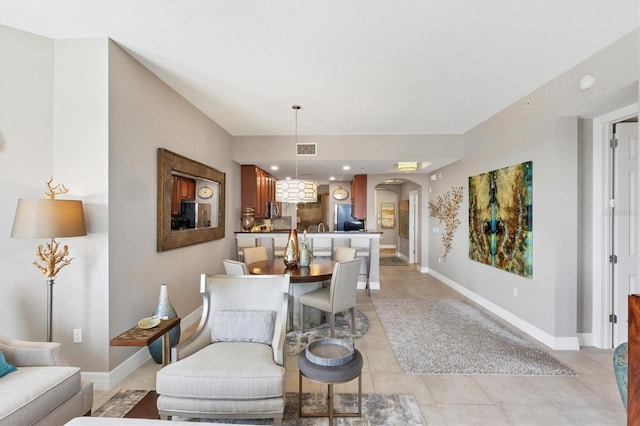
[
  {"x": 137, "y": 336},
  {"x": 330, "y": 375}
]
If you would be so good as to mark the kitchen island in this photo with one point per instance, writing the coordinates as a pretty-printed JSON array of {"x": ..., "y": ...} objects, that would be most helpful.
[{"x": 323, "y": 244}]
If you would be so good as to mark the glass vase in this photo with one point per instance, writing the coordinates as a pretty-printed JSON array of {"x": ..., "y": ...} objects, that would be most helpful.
[
  {"x": 164, "y": 309},
  {"x": 291, "y": 252}
]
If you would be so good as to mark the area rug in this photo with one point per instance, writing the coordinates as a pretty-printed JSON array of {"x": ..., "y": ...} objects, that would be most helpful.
[
  {"x": 392, "y": 261},
  {"x": 376, "y": 409},
  {"x": 452, "y": 337},
  {"x": 297, "y": 341}
]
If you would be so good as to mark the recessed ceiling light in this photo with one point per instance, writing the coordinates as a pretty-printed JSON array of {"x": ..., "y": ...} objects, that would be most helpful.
[
  {"x": 332, "y": 178},
  {"x": 346, "y": 167},
  {"x": 274, "y": 167},
  {"x": 288, "y": 178}
]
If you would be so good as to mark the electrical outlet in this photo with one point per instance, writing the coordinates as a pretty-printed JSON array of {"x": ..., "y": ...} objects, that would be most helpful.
[
  {"x": 436, "y": 230},
  {"x": 77, "y": 335},
  {"x": 515, "y": 292}
]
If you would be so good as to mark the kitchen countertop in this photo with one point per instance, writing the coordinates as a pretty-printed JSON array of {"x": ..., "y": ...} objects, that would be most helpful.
[{"x": 286, "y": 231}]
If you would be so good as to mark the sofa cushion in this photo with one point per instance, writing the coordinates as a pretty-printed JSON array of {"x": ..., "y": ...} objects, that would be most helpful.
[
  {"x": 5, "y": 367},
  {"x": 31, "y": 392},
  {"x": 242, "y": 326},
  {"x": 225, "y": 370}
]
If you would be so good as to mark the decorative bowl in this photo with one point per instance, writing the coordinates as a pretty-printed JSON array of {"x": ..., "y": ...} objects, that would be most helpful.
[
  {"x": 329, "y": 352},
  {"x": 148, "y": 322}
]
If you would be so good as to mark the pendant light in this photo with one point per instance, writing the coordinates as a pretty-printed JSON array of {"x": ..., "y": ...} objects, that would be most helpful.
[{"x": 295, "y": 190}]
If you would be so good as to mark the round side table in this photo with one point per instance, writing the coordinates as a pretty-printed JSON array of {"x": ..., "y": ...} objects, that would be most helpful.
[{"x": 330, "y": 375}]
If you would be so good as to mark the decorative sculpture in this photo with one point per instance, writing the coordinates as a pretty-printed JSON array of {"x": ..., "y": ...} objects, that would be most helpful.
[{"x": 445, "y": 208}]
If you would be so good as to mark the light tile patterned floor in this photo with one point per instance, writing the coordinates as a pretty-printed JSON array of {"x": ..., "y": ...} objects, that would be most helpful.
[{"x": 591, "y": 398}]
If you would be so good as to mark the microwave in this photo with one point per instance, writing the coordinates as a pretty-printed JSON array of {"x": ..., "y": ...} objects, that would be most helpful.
[{"x": 273, "y": 211}]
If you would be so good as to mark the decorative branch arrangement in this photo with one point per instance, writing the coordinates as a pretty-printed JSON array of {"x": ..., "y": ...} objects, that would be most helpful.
[
  {"x": 445, "y": 208},
  {"x": 55, "y": 190}
]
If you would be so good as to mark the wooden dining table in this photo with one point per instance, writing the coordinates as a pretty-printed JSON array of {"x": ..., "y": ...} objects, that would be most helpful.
[{"x": 302, "y": 279}]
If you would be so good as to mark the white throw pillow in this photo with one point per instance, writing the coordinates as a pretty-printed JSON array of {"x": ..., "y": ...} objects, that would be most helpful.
[{"x": 243, "y": 326}]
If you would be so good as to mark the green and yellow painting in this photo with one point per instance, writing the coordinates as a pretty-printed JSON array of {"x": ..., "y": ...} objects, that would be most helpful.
[{"x": 501, "y": 219}]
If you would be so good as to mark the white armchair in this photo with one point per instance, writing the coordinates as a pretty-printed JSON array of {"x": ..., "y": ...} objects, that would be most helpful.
[{"x": 233, "y": 365}]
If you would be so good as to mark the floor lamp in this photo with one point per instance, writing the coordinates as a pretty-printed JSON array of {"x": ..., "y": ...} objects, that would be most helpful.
[{"x": 49, "y": 218}]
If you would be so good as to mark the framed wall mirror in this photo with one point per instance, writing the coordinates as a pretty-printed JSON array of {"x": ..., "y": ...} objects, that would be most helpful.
[{"x": 191, "y": 201}]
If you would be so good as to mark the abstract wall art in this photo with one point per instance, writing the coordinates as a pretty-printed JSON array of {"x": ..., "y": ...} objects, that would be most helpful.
[{"x": 501, "y": 219}]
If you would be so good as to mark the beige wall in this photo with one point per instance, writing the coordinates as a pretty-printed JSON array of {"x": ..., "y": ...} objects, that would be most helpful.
[
  {"x": 88, "y": 114},
  {"x": 546, "y": 133}
]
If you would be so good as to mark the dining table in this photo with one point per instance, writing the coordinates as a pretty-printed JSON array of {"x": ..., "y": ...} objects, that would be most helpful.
[{"x": 302, "y": 279}]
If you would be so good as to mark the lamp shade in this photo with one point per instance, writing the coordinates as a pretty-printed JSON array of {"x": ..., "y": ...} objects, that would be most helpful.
[
  {"x": 43, "y": 218},
  {"x": 296, "y": 191}
]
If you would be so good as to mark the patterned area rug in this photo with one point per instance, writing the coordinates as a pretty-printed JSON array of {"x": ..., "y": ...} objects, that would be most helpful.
[
  {"x": 451, "y": 337},
  {"x": 297, "y": 341},
  {"x": 376, "y": 409},
  {"x": 392, "y": 261}
]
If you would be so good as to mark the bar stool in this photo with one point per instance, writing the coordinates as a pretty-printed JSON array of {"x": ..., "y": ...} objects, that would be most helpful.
[
  {"x": 363, "y": 251},
  {"x": 321, "y": 246}
]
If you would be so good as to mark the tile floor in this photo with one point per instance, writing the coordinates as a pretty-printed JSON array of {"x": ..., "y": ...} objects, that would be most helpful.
[{"x": 591, "y": 398}]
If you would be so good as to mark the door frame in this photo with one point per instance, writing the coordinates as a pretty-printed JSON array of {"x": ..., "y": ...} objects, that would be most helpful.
[
  {"x": 601, "y": 232},
  {"x": 413, "y": 225}
]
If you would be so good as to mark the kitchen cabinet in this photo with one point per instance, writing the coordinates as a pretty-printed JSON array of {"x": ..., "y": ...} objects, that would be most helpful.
[
  {"x": 182, "y": 188},
  {"x": 258, "y": 187},
  {"x": 359, "y": 196}
]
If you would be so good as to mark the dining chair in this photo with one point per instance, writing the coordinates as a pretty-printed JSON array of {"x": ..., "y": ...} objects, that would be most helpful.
[
  {"x": 234, "y": 267},
  {"x": 338, "y": 297},
  {"x": 344, "y": 254},
  {"x": 255, "y": 254},
  {"x": 242, "y": 243}
]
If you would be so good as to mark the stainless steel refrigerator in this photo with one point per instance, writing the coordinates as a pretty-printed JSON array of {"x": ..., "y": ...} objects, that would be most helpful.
[
  {"x": 198, "y": 215},
  {"x": 343, "y": 219}
]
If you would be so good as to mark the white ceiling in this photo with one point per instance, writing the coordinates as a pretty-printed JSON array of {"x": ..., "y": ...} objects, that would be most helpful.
[{"x": 357, "y": 67}]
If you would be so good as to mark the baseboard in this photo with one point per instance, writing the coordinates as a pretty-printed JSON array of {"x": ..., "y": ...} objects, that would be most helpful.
[
  {"x": 106, "y": 381},
  {"x": 586, "y": 339},
  {"x": 556, "y": 343}
]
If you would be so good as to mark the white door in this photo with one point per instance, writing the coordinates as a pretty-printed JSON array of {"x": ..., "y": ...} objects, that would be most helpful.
[{"x": 625, "y": 226}]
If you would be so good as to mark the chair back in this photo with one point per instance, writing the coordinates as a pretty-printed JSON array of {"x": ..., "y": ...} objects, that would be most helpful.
[
  {"x": 344, "y": 254},
  {"x": 344, "y": 283},
  {"x": 247, "y": 293},
  {"x": 234, "y": 267},
  {"x": 242, "y": 243},
  {"x": 255, "y": 254}
]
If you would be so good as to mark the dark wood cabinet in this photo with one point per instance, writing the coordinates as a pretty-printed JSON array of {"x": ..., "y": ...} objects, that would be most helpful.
[
  {"x": 182, "y": 188},
  {"x": 359, "y": 196},
  {"x": 258, "y": 187}
]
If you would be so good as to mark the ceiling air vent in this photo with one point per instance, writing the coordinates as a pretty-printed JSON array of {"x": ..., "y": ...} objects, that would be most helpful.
[{"x": 307, "y": 149}]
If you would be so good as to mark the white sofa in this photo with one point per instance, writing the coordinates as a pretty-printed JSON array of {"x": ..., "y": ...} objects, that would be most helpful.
[{"x": 44, "y": 390}]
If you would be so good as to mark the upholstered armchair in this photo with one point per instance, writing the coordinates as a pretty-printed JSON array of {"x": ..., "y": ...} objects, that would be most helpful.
[{"x": 233, "y": 364}]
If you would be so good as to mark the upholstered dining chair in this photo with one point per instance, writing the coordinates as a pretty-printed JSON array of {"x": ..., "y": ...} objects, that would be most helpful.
[
  {"x": 338, "y": 297},
  {"x": 233, "y": 364},
  {"x": 255, "y": 254},
  {"x": 234, "y": 267},
  {"x": 344, "y": 254}
]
